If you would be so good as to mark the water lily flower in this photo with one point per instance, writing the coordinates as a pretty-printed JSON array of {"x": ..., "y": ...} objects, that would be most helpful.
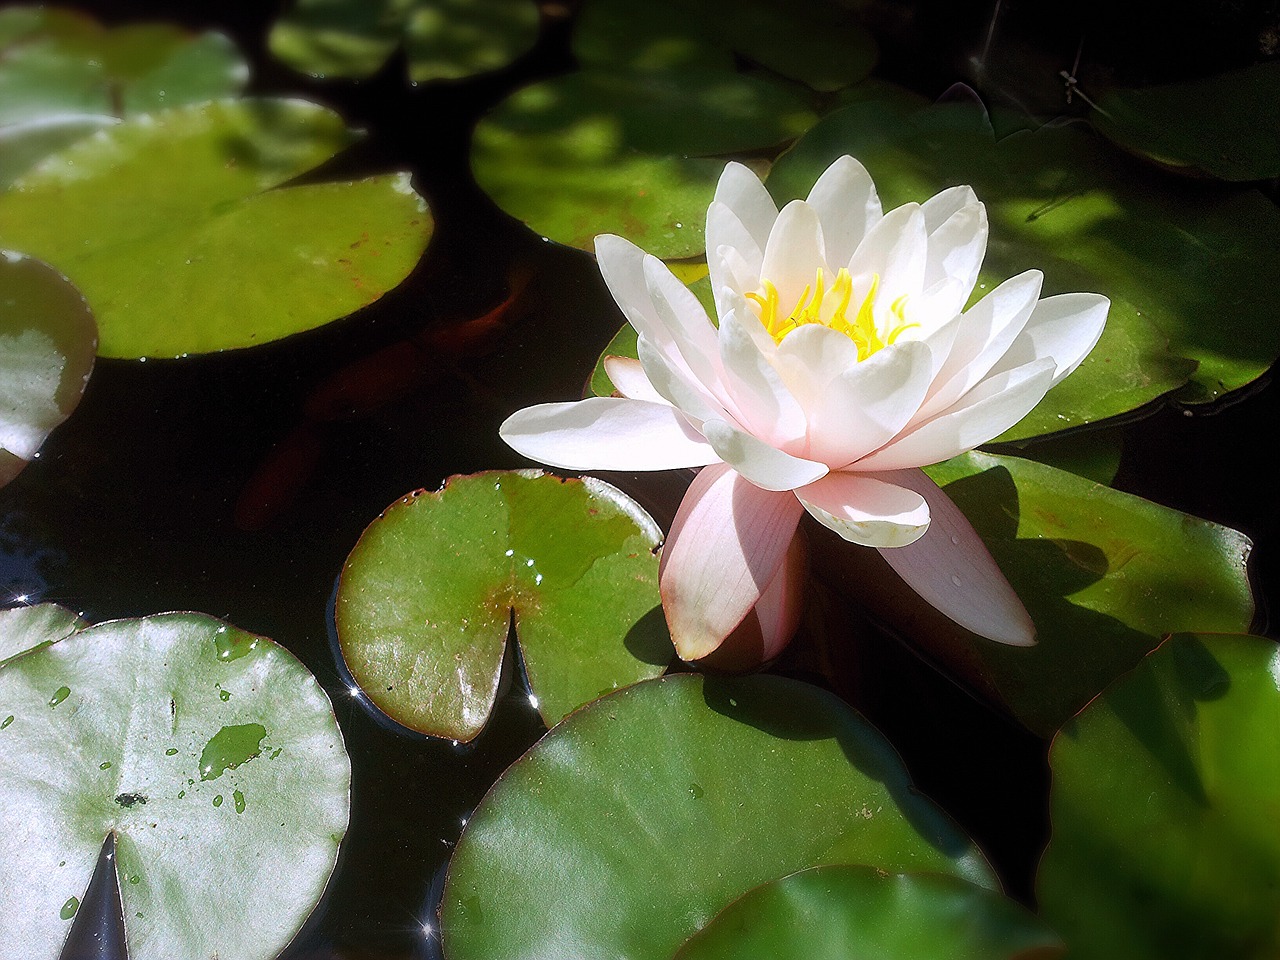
[{"x": 842, "y": 362}]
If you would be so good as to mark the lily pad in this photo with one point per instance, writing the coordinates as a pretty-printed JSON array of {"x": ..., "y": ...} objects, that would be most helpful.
[
  {"x": 858, "y": 913},
  {"x": 177, "y": 228},
  {"x": 428, "y": 595},
  {"x": 47, "y": 344},
  {"x": 442, "y": 39},
  {"x": 1224, "y": 126},
  {"x": 28, "y": 628},
  {"x": 210, "y": 753},
  {"x": 1187, "y": 263},
  {"x": 1104, "y": 575},
  {"x": 618, "y": 151},
  {"x": 634, "y": 822},
  {"x": 1164, "y": 799}
]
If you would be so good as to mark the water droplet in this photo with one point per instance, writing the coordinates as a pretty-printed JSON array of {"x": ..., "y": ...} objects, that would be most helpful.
[
  {"x": 223, "y": 695},
  {"x": 105, "y": 765},
  {"x": 7, "y": 720},
  {"x": 135, "y": 878},
  {"x": 171, "y": 752},
  {"x": 955, "y": 580},
  {"x": 232, "y": 645},
  {"x": 695, "y": 791},
  {"x": 69, "y": 908},
  {"x": 217, "y": 801},
  {"x": 181, "y": 794},
  {"x": 509, "y": 553},
  {"x": 955, "y": 541},
  {"x": 276, "y": 752},
  {"x": 59, "y": 695},
  {"x": 238, "y": 798},
  {"x": 230, "y": 747}
]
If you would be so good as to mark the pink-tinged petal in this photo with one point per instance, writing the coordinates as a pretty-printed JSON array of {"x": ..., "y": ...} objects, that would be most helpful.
[
  {"x": 989, "y": 409},
  {"x": 742, "y": 192},
  {"x": 958, "y": 243},
  {"x": 725, "y": 232},
  {"x": 629, "y": 379},
  {"x": 866, "y": 509},
  {"x": 1065, "y": 328},
  {"x": 794, "y": 253},
  {"x": 763, "y": 401},
  {"x": 984, "y": 335},
  {"x": 895, "y": 249},
  {"x": 606, "y": 433},
  {"x": 866, "y": 406},
  {"x": 726, "y": 544},
  {"x": 682, "y": 317},
  {"x": 757, "y": 461},
  {"x": 951, "y": 568},
  {"x": 674, "y": 382},
  {"x": 847, "y": 206},
  {"x": 809, "y": 358}
]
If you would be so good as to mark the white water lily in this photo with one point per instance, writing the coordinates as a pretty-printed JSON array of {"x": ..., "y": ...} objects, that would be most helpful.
[{"x": 843, "y": 361}]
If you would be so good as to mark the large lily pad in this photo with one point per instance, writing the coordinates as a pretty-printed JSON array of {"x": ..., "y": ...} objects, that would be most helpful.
[
  {"x": 428, "y": 594},
  {"x": 858, "y": 913},
  {"x": 47, "y": 344},
  {"x": 1193, "y": 263},
  {"x": 1225, "y": 125},
  {"x": 633, "y": 823},
  {"x": 23, "y": 629},
  {"x": 1104, "y": 575},
  {"x": 1164, "y": 800},
  {"x": 618, "y": 151},
  {"x": 210, "y": 753},
  {"x": 174, "y": 227},
  {"x": 442, "y": 39}
]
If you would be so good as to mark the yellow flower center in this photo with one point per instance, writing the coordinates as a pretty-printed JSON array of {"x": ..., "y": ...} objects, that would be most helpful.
[{"x": 829, "y": 306}]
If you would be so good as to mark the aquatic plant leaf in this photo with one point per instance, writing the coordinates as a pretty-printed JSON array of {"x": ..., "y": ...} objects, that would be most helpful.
[
  {"x": 1223, "y": 125},
  {"x": 442, "y": 39},
  {"x": 619, "y": 151},
  {"x": 48, "y": 340},
  {"x": 428, "y": 594},
  {"x": 1104, "y": 575},
  {"x": 27, "y": 628},
  {"x": 1163, "y": 808},
  {"x": 178, "y": 230},
  {"x": 211, "y": 754},
  {"x": 641, "y": 816},
  {"x": 1179, "y": 261},
  {"x": 848, "y": 912}
]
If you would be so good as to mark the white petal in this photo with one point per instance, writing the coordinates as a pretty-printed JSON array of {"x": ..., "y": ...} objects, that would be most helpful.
[
  {"x": 682, "y": 317},
  {"x": 765, "y": 466},
  {"x": 622, "y": 266},
  {"x": 951, "y": 568},
  {"x": 765, "y": 405},
  {"x": 629, "y": 379},
  {"x": 989, "y": 409},
  {"x": 677, "y": 385},
  {"x": 865, "y": 509},
  {"x": 939, "y": 208},
  {"x": 742, "y": 192},
  {"x": 958, "y": 244},
  {"x": 865, "y": 407},
  {"x": 1065, "y": 328},
  {"x": 847, "y": 206},
  {"x": 896, "y": 249},
  {"x": 733, "y": 256},
  {"x": 794, "y": 253},
  {"x": 809, "y": 358},
  {"x": 606, "y": 433}
]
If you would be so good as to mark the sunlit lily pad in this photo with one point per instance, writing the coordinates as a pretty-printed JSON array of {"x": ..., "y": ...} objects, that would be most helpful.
[
  {"x": 1164, "y": 799},
  {"x": 1191, "y": 264},
  {"x": 1104, "y": 575},
  {"x": 633, "y": 823},
  {"x": 618, "y": 151},
  {"x": 23, "y": 629},
  {"x": 177, "y": 230},
  {"x": 428, "y": 594},
  {"x": 1225, "y": 125},
  {"x": 214, "y": 757},
  {"x": 47, "y": 344},
  {"x": 859, "y": 913},
  {"x": 442, "y": 39}
]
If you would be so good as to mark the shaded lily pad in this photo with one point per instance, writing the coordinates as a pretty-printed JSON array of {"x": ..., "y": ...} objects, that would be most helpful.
[
  {"x": 1225, "y": 125},
  {"x": 1188, "y": 263},
  {"x": 211, "y": 754},
  {"x": 428, "y": 594},
  {"x": 48, "y": 340},
  {"x": 1164, "y": 799},
  {"x": 442, "y": 39},
  {"x": 635, "y": 821},
  {"x": 23, "y": 629},
  {"x": 617, "y": 151},
  {"x": 859, "y": 913},
  {"x": 1104, "y": 575},
  {"x": 175, "y": 227}
]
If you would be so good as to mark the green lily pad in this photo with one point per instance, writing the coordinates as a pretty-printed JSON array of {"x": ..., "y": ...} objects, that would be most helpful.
[
  {"x": 859, "y": 913},
  {"x": 634, "y": 822},
  {"x": 23, "y": 145},
  {"x": 1186, "y": 263},
  {"x": 177, "y": 228},
  {"x": 442, "y": 39},
  {"x": 1092, "y": 454},
  {"x": 428, "y": 594},
  {"x": 210, "y": 753},
  {"x": 28, "y": 628},
  {"x": 47, "y": 344},
  {"x": 618, "y": 151},
  {"x": 1224, "y": 125},
  {"x": 1164, "y": 799}
]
